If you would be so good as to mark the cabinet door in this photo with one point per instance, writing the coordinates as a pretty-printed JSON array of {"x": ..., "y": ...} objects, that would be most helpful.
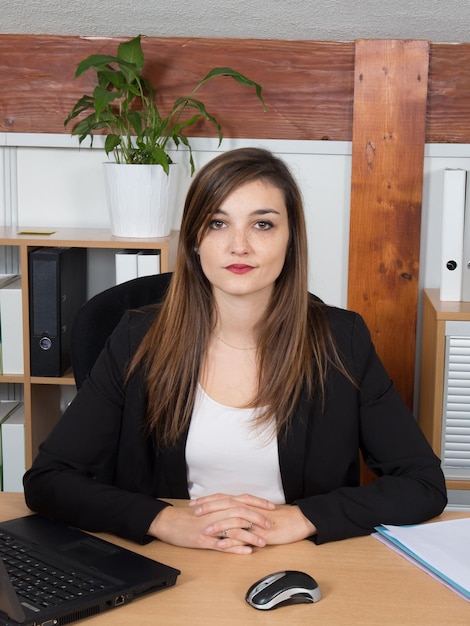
[{"x": 455, "y": 448}]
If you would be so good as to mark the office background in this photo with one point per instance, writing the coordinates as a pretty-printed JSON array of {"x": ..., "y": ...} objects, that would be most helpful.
[
  {"x": 44, "y": 191},
  {"x": 31, "y": 196}
]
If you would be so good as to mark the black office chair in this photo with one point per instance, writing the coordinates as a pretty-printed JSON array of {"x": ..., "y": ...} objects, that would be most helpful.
[{"x": 98, "y": 317}]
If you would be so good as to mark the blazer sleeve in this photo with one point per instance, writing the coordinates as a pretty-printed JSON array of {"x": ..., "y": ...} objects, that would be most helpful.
[
  {"x": 87, "y": 471},
  {"x": 410, "y": 486}
]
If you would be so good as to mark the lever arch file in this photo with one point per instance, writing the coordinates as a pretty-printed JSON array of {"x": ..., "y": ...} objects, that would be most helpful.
[
  {"x": 453, "y": 208},
  {"x": 57, "y": 290},
  {"x": 466, "y": 246}
]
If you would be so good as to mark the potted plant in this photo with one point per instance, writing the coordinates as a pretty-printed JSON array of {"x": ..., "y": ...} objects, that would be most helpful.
[{"x": 123, "y": 106}]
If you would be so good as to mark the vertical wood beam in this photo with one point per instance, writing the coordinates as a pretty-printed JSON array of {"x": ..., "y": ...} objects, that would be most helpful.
[{"x": 390, "y": 92}]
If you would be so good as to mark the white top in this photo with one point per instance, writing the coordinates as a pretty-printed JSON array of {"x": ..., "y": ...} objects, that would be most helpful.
[{"x": 225, "y": 453}]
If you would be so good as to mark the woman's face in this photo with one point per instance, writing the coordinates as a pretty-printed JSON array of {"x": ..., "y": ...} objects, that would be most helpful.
[{"x": 243, "y": 251}]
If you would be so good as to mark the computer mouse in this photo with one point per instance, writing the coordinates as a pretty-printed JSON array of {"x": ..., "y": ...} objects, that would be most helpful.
[{"x": 282, "y": 589}]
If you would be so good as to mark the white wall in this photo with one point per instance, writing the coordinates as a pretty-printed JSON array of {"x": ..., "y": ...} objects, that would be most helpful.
[{"x": 334, "y": 20}]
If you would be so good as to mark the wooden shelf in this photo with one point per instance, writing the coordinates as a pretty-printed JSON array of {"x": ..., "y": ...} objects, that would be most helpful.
[
  {"x": 11, "y": 378},
  {"x": 447, "y": 310},
  {"x": 66, "y": 379},
  {"x": 80, "y": 238},
  {"x": 42, "y": 394}
]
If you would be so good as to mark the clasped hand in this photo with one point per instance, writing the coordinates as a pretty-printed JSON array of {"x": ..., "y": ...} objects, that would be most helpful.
[{"x": 235, "y": 524}]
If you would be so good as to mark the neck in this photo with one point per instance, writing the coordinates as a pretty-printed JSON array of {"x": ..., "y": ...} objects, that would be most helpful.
[
  {"x": 239, "y": 314},
  {"x": 235, "y": 325},
  {"x": 236, "y": 321}
]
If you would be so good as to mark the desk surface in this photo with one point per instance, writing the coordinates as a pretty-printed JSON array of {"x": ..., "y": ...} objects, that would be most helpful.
[{"x": 363, "y": 582}]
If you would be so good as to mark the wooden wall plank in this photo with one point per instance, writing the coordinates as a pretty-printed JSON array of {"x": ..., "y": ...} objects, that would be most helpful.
[
  {"x": 448, "y": 110},
  {"x": 387, "y": 178},
  {"x": 308, "y": 85}
]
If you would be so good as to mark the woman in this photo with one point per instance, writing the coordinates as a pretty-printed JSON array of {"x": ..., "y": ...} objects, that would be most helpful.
[{"x": 238, "y": 382}]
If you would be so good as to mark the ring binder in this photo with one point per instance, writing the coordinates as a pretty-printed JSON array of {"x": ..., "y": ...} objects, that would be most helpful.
[{"x": 57, "y": 290}]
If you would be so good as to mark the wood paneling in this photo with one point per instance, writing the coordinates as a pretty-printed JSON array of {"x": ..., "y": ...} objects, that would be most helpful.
[
  {"x": 387, "y": 180},
  {"x": 307, "y": 86},
  {"x": 448, "y": 110}
]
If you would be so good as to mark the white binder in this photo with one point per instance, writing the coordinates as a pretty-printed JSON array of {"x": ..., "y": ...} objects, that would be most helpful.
[
  {"x": 11, "y": 320},
  {"x": 126, "y": 265},
  {"x": 453, "y": 210},
  {"x": 148, "y": 262},
  {"x": 466, "y": 247},
  {"x": 13, "y": 450}
]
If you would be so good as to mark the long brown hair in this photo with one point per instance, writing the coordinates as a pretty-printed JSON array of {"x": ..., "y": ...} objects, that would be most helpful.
[{"x": 294, "y": 342}]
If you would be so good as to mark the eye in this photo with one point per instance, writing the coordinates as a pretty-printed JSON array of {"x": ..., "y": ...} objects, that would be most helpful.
[
  {"x": 264, "y": 225},
  {"x": 216, "y": 224}
]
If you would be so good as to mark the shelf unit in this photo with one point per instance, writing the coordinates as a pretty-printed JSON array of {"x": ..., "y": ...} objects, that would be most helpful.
[
  {"x": 436, "y": 314},
  {"x": 42, "y": 394}
]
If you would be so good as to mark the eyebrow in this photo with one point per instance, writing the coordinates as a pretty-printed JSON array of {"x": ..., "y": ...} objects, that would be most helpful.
[{"x": 256, "y": 212}]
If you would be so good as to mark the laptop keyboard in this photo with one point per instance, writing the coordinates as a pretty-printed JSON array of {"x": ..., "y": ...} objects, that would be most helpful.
[{"x": 41, "y": 584}]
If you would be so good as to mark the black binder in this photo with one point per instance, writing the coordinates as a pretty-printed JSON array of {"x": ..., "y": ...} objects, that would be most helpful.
[{"x": 57, "y": 289}]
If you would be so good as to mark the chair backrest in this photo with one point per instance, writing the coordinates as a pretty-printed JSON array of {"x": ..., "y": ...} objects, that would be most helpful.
[{"x": 98, "y": 317}]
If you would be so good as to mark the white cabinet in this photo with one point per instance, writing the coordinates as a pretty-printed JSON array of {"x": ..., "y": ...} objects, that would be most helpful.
[{"x": 444, "y": 401}]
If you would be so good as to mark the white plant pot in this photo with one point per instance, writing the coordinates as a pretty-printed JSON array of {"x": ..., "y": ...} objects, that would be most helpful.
[{"x": 139, "y": 200}]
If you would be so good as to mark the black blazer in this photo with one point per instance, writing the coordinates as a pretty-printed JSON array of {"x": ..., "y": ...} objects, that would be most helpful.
[{"x": 99, "y": 471}]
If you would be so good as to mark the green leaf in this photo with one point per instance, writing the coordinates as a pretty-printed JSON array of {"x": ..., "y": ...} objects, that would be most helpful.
[
  {"x": 109, "y": 77},
  {"x": 103, "y": 63},
  {"x": 160, "y": 157},
  {"x": 134, "y": 90},
  {"x": 103, "y": 98},
  {"x": 87, "y": 125},
  {"x": 184, "y": 140},
  {"x": 177, "y": 128},
  {"x": 85, "y": 103},
  {"x": 240, "y": 78},
  {"x": 135, "y": 120},
  {"x": 111, "y": 142},
  {"x": 131, "y": 51},
  {"x": 197, "y": 104},
  {"x": 95, "y": 61}
]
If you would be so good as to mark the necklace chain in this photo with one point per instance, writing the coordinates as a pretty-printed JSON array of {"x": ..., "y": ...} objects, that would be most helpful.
[{"x": 230, "y": 345}]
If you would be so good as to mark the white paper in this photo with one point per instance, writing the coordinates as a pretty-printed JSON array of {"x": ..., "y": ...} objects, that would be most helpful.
[{"x": 443, "y": 548}]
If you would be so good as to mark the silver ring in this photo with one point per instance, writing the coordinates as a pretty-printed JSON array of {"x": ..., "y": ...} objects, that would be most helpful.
[
  {"x": 225, "y": 533},
  {"x": 249, "y": 527}
]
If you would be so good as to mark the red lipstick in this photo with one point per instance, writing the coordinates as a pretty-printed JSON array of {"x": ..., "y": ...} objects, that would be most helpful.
[{"x": 239, "y": 268}]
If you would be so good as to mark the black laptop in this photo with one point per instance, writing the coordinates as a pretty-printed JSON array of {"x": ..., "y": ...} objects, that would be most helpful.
[{"x": 51, "y": 574}]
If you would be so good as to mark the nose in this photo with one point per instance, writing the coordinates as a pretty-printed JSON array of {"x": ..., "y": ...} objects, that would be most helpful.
[{"x": 239, "y": 242}]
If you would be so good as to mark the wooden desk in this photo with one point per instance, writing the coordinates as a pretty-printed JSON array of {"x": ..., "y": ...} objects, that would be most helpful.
[{"x": 363, "y": 582}]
